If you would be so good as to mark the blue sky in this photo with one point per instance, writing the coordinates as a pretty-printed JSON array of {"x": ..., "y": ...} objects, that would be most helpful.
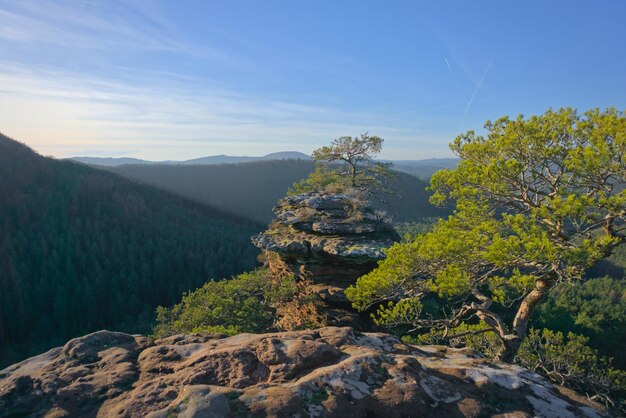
[{"x": 175, "y": 80}]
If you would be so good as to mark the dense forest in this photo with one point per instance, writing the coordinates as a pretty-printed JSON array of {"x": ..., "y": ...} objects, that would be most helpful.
[
  {"x": 83, "y": 249},
  {"x": 251, "y": 189}
]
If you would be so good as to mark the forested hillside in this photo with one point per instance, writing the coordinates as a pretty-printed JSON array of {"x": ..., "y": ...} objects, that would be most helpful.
[
  {"x": 251, "y": 189},
  {"x": 424, "y": 169},
  {"x": 82, "y": 249}
]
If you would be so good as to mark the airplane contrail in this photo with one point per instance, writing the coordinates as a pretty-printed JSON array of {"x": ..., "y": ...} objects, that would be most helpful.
[
  {"x": 454, "y": 79},
  {"x": 480, "y": 82}
]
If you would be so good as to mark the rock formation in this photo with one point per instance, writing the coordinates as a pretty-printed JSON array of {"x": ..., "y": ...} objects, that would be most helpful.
[
  {"x": 327, "y": 372},
  {"x": 326, "y": 241}
]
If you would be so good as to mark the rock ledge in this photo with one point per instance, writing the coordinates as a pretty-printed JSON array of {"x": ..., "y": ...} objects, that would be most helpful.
[{"x": 329, "y": 372}]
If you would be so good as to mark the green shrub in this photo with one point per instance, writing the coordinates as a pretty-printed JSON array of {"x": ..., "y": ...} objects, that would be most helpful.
[
  {"x": 570, "y": 362},
  {"x": 245, "y": 303}
]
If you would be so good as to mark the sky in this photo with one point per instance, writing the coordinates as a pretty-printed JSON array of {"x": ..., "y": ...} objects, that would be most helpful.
[{"x": 184, "y": 79}]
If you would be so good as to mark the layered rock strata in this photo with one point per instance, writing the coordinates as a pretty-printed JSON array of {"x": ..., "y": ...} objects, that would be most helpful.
[
  {"x": 329, "y": 372},
  {"x": 327, "y": 241}
]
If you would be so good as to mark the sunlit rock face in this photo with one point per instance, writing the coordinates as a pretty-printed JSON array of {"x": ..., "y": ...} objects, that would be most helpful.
[
  {"x": 327, "y": 241},
  {"x": 328, "y": 372}
]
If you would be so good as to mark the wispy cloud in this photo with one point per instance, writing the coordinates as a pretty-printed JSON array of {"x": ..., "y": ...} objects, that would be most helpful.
[
  {"x": 100, "y": 105},
  {"x": 95, "y": 26},
  {"x": 157, "y": 114}
]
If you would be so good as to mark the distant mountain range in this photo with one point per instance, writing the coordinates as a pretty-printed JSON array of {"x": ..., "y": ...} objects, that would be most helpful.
[
  {"x": 210, "y": 160},
  {"x": 250, "y": 190},
  {"x": 423, "y": 169}
]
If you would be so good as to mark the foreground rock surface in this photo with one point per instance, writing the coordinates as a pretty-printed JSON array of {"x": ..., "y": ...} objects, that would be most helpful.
[
  {"x": 329, "y": 372},
  {"x": 326, "y": 241}
]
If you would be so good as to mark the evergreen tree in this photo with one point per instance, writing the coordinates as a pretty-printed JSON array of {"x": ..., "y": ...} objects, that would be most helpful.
[{"x": 539, "y": 201}]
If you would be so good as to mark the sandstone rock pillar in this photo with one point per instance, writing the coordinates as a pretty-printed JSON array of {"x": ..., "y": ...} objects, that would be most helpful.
[{"x": 327, "y": 241}]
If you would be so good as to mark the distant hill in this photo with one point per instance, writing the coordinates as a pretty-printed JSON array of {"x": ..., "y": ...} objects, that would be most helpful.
[
  {"x": 110, "y": 161},
  {"x": 213, "y": 159},
  {"x": 423, "y": 169},
  {"x": 251, "y": 189},
  {"x": 287, "y": 155},
  {"x": 227, "y": 159},
  {"x": 82, "y": 249}
]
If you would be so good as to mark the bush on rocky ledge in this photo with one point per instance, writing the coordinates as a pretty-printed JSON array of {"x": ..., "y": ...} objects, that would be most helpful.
[{"x": 245, "y": 303}]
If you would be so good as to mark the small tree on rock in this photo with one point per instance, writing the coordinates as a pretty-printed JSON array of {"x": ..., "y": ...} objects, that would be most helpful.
[{"x": 348, "y": 163}]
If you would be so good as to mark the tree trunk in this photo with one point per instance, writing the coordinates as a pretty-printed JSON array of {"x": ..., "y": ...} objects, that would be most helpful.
[
  {"x": 353, "y": 174},
  {"x": 511, "y": 343},
  {"x": 509, "y": 348}
]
